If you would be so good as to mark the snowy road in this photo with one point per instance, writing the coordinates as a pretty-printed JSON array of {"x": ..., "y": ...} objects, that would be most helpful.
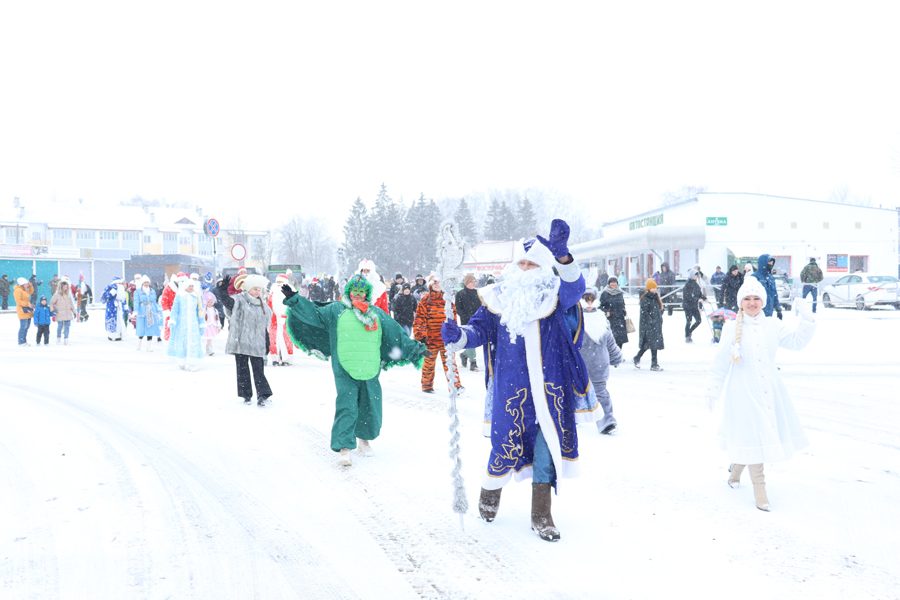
[{"x": 123, "y": 477}]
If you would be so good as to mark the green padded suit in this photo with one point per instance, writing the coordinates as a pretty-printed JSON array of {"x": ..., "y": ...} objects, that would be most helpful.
[{"x": 336, "y": 330}]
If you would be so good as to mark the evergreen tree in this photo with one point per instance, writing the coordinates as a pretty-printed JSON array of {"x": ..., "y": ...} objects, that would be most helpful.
[
  {"x": 355, "y": 236},
  {"x": 463, "y": 218},
  {"x": 501, "y": 222},
  {"x": 526, "y": 220},
  {"x": 385, "y": 229}
]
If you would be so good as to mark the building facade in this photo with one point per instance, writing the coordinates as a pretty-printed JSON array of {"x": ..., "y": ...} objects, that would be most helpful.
[{"x": 720, "y": 229}]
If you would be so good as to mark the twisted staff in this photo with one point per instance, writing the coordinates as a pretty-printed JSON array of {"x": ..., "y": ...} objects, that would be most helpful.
[{"x": 451, "y": 254}]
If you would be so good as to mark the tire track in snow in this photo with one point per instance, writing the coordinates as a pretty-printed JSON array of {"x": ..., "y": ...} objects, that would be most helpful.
[
  {"x": 429, "y": 557},
  {"x": 195, "y": 490}
]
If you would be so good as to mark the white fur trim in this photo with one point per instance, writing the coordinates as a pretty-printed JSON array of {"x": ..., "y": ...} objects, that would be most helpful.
[
  {"x": 568, "y": 273},
  {"x": 252, "y": 281}
]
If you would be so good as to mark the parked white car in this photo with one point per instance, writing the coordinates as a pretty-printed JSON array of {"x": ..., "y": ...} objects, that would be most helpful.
[{"x": 863, "y": 290}]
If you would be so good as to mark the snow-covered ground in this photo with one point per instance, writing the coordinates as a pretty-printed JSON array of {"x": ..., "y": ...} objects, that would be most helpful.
[{"x": 123, "y": 477}]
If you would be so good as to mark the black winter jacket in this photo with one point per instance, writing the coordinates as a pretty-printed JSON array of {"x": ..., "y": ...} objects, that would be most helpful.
[
  {"x": 730, "y": 286},
  {"x": 405, "y": 309},
  {"x": 467, "y": 304},
  {"x": 614, "y": 304},
  {"x": 692, "y": 294},
  {"x": 651, "y": 322}
]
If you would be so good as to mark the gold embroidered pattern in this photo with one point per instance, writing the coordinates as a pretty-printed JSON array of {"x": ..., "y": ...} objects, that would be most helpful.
[
  {"x": 566, "y": 439},
  {"x": 513, "y": 446}
]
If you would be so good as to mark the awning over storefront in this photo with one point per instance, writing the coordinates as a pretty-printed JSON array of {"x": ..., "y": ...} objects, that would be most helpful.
[{"x": 655, "y": 238}]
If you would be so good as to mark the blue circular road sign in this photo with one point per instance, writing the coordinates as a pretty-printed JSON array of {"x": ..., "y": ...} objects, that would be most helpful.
[{"x": 212, "y": 228}]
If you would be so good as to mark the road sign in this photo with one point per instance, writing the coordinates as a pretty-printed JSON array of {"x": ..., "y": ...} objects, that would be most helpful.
[
  {"x": 211, "y": 227},
  {"x": 238, "y": 252}
]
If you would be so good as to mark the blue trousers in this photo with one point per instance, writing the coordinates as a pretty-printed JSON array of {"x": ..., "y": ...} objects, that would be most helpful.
[
  {"x": 62, "y": 327},
  {"x": 24, "y": 324},
  {"x": 811, "y": 289},
  {"x": 542, "y": 469}
]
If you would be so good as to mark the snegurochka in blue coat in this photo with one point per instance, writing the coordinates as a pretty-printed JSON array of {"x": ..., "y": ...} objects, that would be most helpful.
[
  {"x": 149, "y": 316},
  {"x": 538, "y": 387}
]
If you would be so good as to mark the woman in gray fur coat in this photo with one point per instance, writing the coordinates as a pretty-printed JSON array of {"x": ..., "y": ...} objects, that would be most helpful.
[
  {"x": 599, "y": 351},
  {"x": 248, "y": 334}
]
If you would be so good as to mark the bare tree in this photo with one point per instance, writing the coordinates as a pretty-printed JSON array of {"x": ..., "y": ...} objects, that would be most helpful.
[
  {"x": 687, "y": 192},
  {"x": 842, "y": 194},
  {"x": 307, "y": 242}
]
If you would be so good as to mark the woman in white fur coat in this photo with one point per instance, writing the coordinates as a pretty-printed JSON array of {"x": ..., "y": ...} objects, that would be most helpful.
[{"x": 760, "y": 424}]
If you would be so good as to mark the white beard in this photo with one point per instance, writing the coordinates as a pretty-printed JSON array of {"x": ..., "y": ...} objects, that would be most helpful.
[{"x": 521, "y": 295}]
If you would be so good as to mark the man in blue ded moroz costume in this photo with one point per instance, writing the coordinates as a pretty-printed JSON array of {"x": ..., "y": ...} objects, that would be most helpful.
[{"x": 538, "y": 388}]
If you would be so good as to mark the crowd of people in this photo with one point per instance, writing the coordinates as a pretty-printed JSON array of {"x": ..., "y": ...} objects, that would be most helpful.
[{"x": 547, "y": 343}]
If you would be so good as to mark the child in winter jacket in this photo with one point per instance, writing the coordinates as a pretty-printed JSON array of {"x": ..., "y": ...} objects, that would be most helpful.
[
  {"x": 42, "y": 321},
  {"x": 212, "y": 323},
  {"x": 759, "y": 424},
  {"x": 599, "y": 351}
]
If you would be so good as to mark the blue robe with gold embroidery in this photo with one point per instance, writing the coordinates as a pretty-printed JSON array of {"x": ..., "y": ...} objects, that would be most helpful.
[{"x": 540, "y": 381}]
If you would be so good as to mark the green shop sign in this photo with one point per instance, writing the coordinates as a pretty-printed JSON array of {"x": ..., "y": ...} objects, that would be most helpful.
[
  {"x": 646, "y": 222},
  {"x": 716, "y": 221}
]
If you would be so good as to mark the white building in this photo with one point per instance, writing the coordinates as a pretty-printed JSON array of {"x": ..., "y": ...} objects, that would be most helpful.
[
  {"x": 720, "y": 229},
  {"x": 75, "y": 238}
]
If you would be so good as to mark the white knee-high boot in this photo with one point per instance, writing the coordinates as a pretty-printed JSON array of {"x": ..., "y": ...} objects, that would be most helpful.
[{"x": 759, "y": 487}]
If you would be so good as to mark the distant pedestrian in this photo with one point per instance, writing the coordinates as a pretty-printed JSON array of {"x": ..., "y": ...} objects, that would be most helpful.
[
  {"x": 612, "y": 303},
  {"x": 467, "y": 304},
  {"x": 148, "y": 316},
  {"x": 24, "y": 308},
  {"x": 692, "y": 296},
  {"x": 667, "y": 286},
  {"x": 763, "y": 274},
  {"x": 716, "y": 280},
  {"x": 405, "y": 306},
  {"x": 42, "y": 321},
  {"x": 34, "y": 288},
  {"x": 4, "y": 292},
  {"x": 810, "y": 276},
  {"x": 650, "y": 329},
  {"x": 730, "y": 286},
  {"x": 65, "y": 310}
]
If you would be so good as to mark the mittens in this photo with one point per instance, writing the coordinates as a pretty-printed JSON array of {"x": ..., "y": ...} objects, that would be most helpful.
[
  {"x": 450, "y": 332},
  {"x": 558, "y": 242}
]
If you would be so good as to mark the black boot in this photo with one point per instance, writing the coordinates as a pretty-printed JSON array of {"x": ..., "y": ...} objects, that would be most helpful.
[
  {"x": 263, "y": 401},
  {"x": 248, "y": 400},
  {"x": 473, "y": 366},
  {"x": 489, "y": 504},
  {"x": 464, "y": 359},
  {"x": 541, "y": 519}
]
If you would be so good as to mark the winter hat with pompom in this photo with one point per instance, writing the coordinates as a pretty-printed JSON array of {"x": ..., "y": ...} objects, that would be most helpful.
[{"x": 751, "y": 287}]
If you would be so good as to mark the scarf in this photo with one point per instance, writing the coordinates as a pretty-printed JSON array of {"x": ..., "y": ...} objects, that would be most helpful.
[
  {"x": 612, "y": 291},
  {"x": 361, "y": 310}
]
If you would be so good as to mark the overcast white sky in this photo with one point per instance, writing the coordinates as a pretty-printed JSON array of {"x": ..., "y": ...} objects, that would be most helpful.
[{"x": 269, "y": 109}]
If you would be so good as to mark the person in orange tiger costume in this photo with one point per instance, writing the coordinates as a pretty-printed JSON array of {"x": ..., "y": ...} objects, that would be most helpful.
[{"x": 427, "y": 329}]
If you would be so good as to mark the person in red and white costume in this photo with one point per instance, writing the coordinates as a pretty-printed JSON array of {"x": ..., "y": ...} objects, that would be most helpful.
[
  {"x": 379, "y": 290},
  {"x": 280, "y": 345},
  {"x": 168, "y": 298}
]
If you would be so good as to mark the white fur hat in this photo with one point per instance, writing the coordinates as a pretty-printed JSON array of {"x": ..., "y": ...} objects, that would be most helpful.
[
  {"x": 184, "y": 284},
  {"x": 536, "y": 252},
  {"x": 195, "y": 276},
  {"x": 144, "y": 279},
  {"x": 22, "y": 281},
  {"x": 252, "y": 281},
  {"x": 751, "y": 287}
]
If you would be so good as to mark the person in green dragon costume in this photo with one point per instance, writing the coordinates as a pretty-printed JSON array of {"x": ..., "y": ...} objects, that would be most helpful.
[{"x": 361, "y": 340}]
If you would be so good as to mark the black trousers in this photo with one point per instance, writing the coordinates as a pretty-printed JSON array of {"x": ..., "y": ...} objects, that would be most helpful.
[
  {"x": 43, "y": 330},
  {"x": 691, "y": 313},
  {"x": 5, "y": 302},
  {"x": 259, "y": 376},
  {"x": 643, "y": 349}
]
